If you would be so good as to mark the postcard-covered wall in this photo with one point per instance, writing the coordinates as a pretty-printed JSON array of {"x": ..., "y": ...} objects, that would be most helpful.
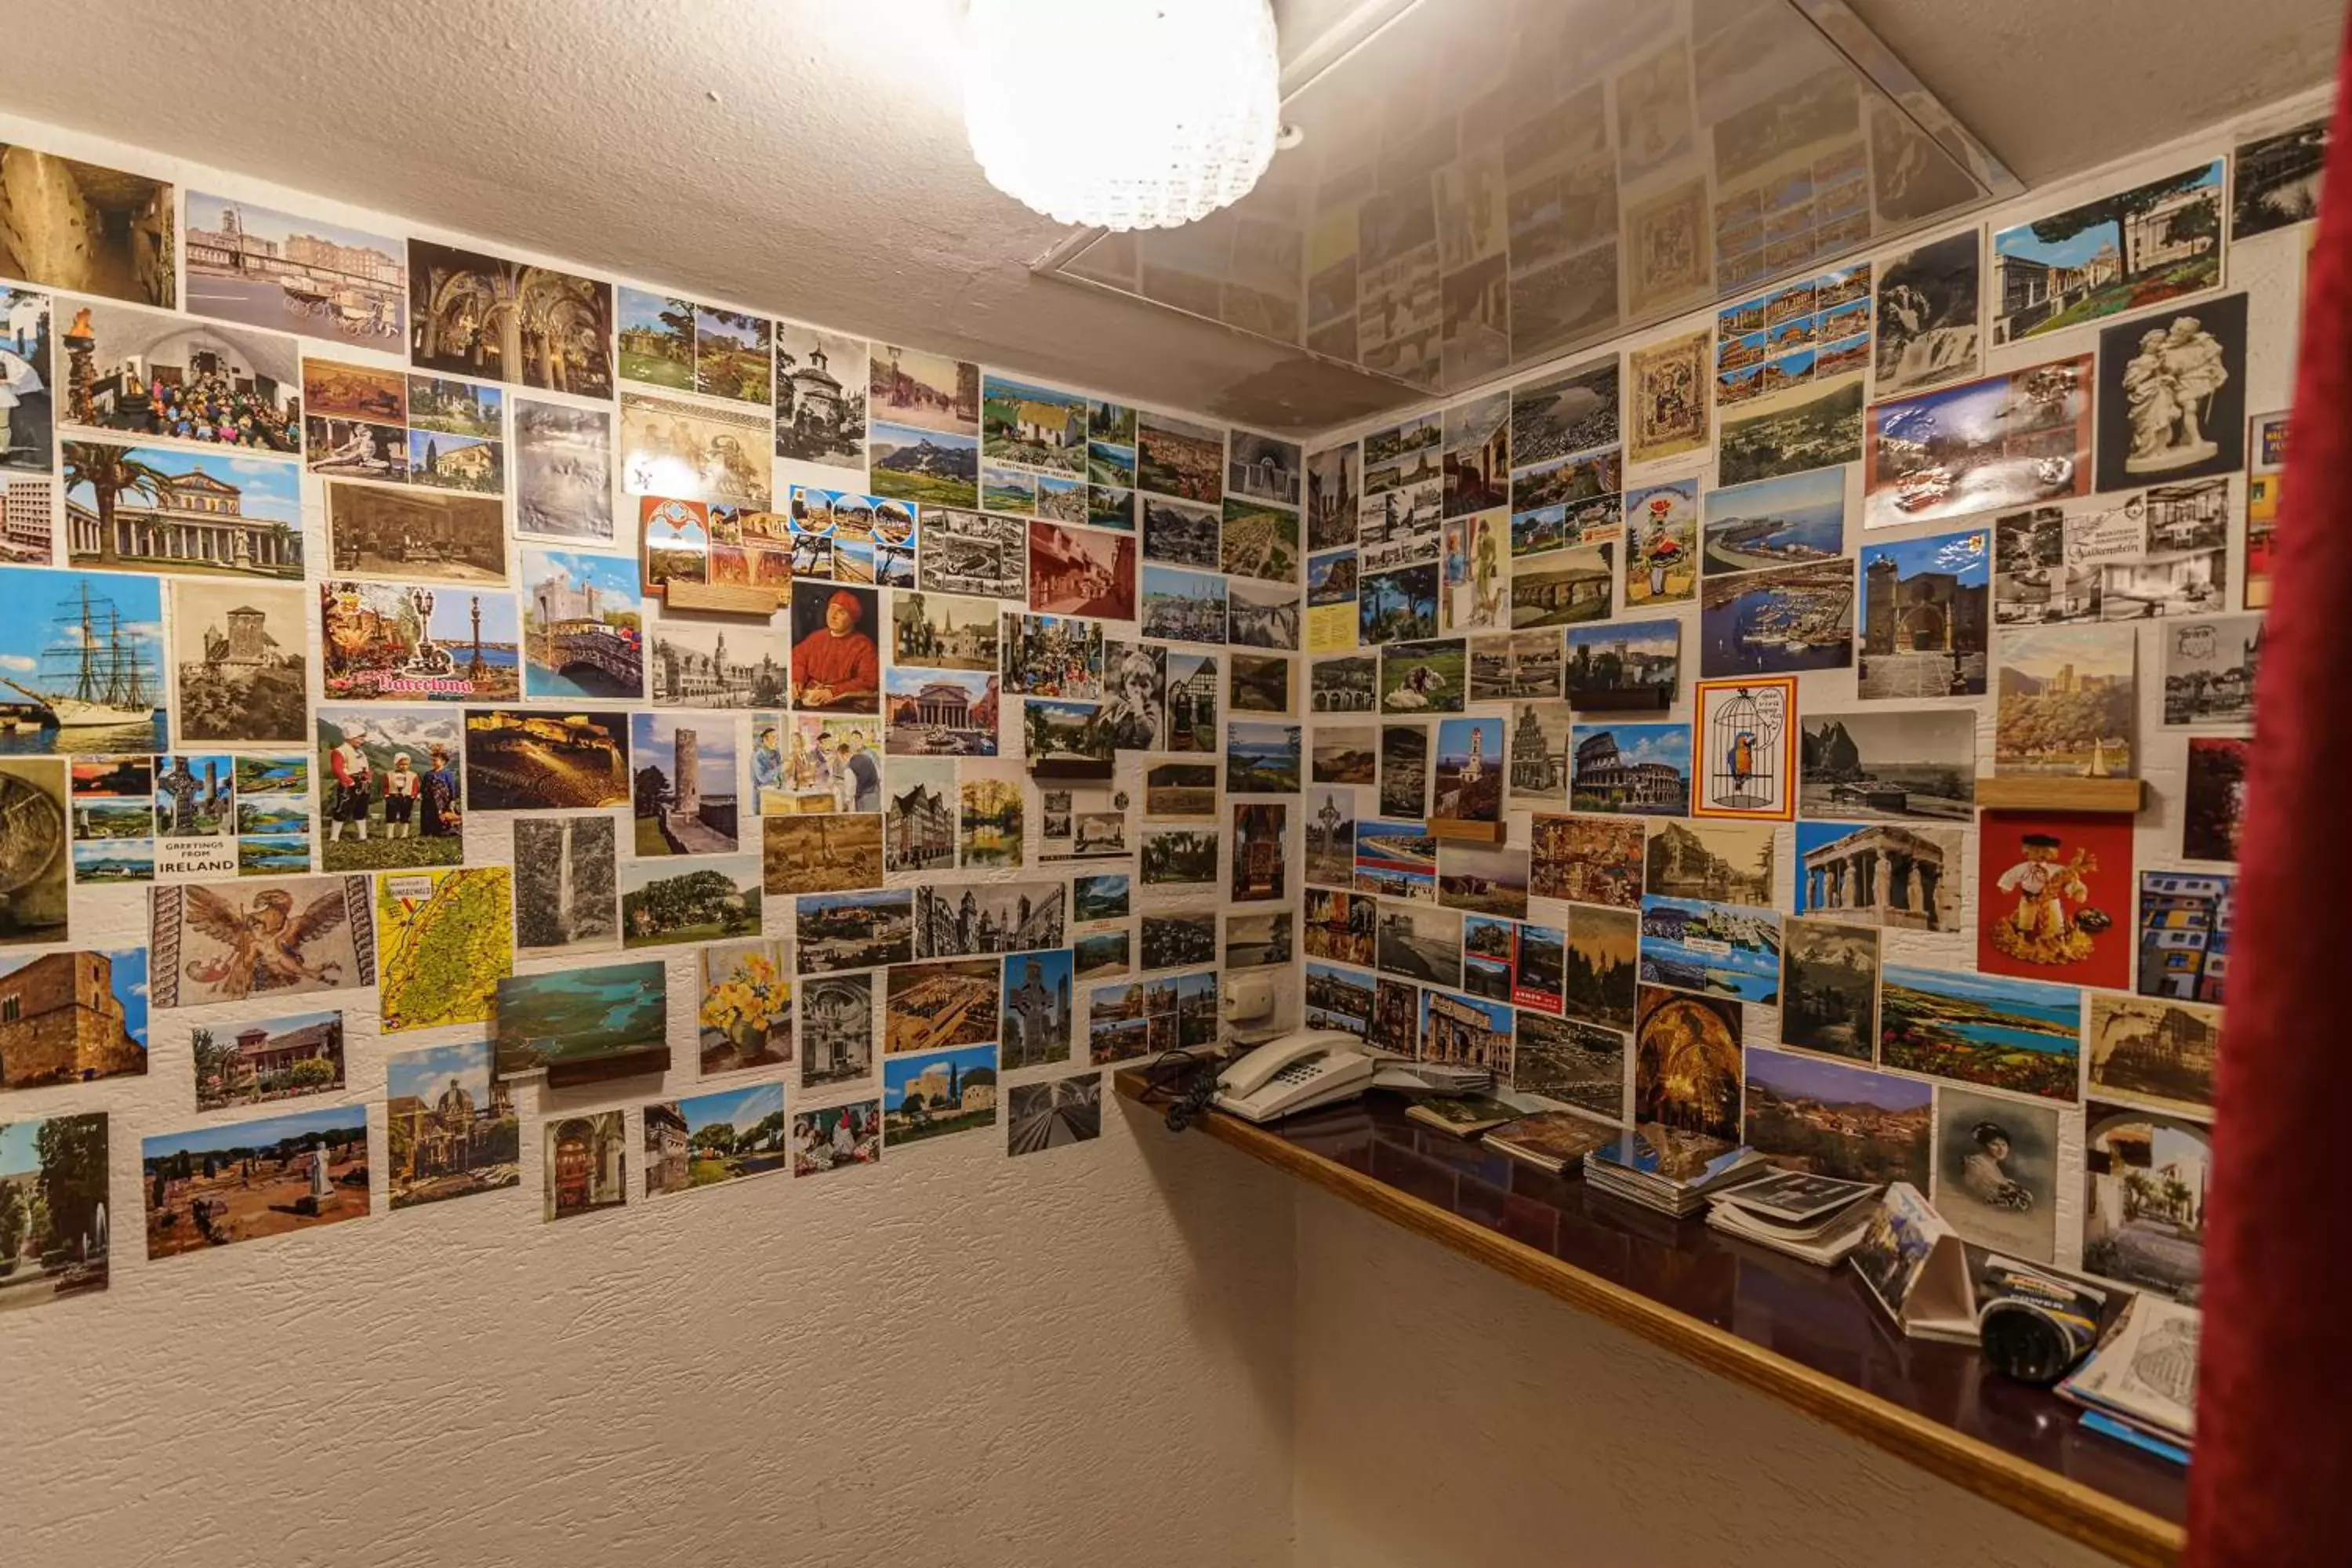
[
  {"x": 1651, "y": 695},
  {"x": 476, "y": 728}
]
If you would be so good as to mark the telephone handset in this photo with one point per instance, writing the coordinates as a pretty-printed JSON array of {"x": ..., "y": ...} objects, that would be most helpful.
[{"x": 1311, "y": 1068}]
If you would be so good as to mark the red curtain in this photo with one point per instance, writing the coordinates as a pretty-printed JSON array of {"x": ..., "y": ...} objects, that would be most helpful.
[{"x": 2271, "y": 1484}]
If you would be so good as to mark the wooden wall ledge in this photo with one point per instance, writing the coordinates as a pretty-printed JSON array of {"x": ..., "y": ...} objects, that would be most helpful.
[{"x": 1808, "y": 1337}]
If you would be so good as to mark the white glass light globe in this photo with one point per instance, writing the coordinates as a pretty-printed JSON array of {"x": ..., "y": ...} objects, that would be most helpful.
[{"x": 1122, "y": 115}]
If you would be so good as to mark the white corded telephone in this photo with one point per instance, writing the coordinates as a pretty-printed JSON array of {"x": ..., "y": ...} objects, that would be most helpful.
[{"x": 1296, "y": 1072}]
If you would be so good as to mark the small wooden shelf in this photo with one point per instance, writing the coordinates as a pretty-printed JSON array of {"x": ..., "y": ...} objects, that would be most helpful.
[
  {"x": 1808, "y": 1337},
  {"x": 1640, "y": 700},
  {"x": 1447, "y": 828},
  {"x": 2114, "y": 798},
  {"x": 721, "y": 599}
]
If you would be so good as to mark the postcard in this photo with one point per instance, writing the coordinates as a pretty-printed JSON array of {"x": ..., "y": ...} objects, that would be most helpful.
[
  {"x": 1902, "y": 876},
  {"x": 1588, "y": 860},
  {"x": 445, "y": 940},
  {"x": 2006, "y": 1034},
  {"x": 1924, "y": 616},
  {"x": 1829, "y": 1119},
  {"x": 1575, "y": 1063},
  {"x": 1340, "y": 926},
  {"x": 240, "y": 1180},
  {"x": 1331, "y": 836},
  {"x": 2014, "y": 440},
  {"x": 2185, "y": 921},
  {"x": 1397, "y": 606},
  {"x": 2147, "y": 1176},
  {"x": 1103, "y": 955},
  {"x": 1081, "y": 572},
  {"x": 563, "y": 472},
  {"x": 1397, "y": 859},
  {"x": 1723, "y": 950},
  {"x": 744, "y": 1019},
  {"x": 450, "y": 1126},
  {"x": 821, "y": 852},
  {"x": 2274, "y": 181},
  {"x": 1687, "y": 1072},
  {"x": 585, "y": 1164},
  {"x": 1035, "y": 991},
  {"x": 614, "y": 1017},
  {"x": 518, "y": 760},
  {"x": 413, "y": 535},
  {"x": 2068, "y": 703},
  {"x": 1424, "y": 677},
  {"x": 237, "y": 665},
  {"x": 1514, "y": 667},
  {"x": 446, "y": 287},
  {"x": 1338, "y": 998},
  {"x": 1040, "y": 1116},
  {"x": 2185, "y": 569},
  {"x": 1928, "y": 317},
  {"x": 152, "y": 376},
  {"x": 281, "y": 935},
  {"x": 714, "y": 897},
  {"x": 582, "y": 623},
  {"x": 2102, "y": 258},
  {"x": 2211, "y": 814},
  {"x": 2172, "y": 395},
  {"x": 1780, "y": 521},
  {"x": 1669, "y": 398},
  {"x": 1828, "y": 988},
  {"x": 1599, "y": 966},
  {"x": 1180, "y": 533},
  {"x": 1875, "y": 765},
  {"x": 1662, "y": 537},
  {"x": 937, "y": 1094},
  {"x": 836, "y": 1029},
  {"x": 1636, "y": 769},
  {"x": 2265, "y": 488},
  {"x": 1422, "y": 942},
  {"x": 1821, "y": 428},
  {"x": 64, "y": 1244},
  {"x": 704, "y": 1140},
  {"x": 1563, "y": 587},
  {"x": 970, "y": 552},
  {"x": 1259, "y": 940},
  {"x": 2152, "y": 1049}
]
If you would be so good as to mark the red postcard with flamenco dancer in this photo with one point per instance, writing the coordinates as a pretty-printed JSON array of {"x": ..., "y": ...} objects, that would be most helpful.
[{"x": 2054, "y": 894}]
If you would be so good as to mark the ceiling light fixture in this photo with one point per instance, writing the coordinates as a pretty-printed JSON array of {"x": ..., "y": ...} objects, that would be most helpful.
[{"x": 1122, "y": 115}]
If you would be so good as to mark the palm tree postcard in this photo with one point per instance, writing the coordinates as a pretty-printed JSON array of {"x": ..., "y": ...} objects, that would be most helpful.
[{"x": 161, "y": 509}]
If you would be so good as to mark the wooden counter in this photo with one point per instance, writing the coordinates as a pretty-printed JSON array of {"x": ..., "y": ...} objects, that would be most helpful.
[{"x": 1810, "y": 1337}]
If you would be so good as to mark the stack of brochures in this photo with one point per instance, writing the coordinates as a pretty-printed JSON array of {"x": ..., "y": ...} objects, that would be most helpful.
[
  {"x": 1670, "y": 1171},
  {"x": 1818, "y": 1218},
  {"x": 1464, "y": 1115},
  {"x": 1552, "y": 1140},
  {"x": 2140, "y": 1384}
]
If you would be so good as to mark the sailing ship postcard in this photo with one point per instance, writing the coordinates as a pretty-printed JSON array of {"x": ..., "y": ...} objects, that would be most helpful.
[{"x": 81, "y": 663}]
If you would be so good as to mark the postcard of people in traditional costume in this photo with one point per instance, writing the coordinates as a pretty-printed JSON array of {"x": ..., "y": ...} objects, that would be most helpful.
[
  {"x": 715, "y": 898},
  {"x": 1338, "y": 998},
  {"x": 1640, "y": 770},
  {"x": 585, "y": 1164},
  {"x": 2068, "y": 703},
  {"x": 1563, "y": 587},
  {"x": 393, "y": 788},
  {"x": 152, "y": 376},
  {"x": 444, "y": 287},
  {"x": 240, "y": 1180},
  {"x": 702, "y": 1140},
  {"x": 562, "y": 472},
  {"x": 1928, "y": 316},
  {"x": 520, "y": 761},
  {"x": 1844, "y": 1123},
  {"x": 134, "y": 508},
  {"x": 1924, "y": 616},
  {"x": 450, "y": 1125},
  {"x": 966, "y": 551},
  {"x": 2185, "y": 919},
  {"x": 1687, "y": 1071},
  {"x": 1331, "y": 833},
  {"x": 2014, "y": 440},
  {"x": 1404, "y": 771},
  {"x": 1396, "y": 859},
  {"x": 1988, "y": 1029},
  {"x": 2146, "y": 1177},
  {"x": 1421, "y": 941},
  {"x": 2172, "y": 395},
  {"x": 1745, "y": 761},
  {"x": 283, "y": 936},
  {"x": 60, "y": 1245},
  {"x": 1723, "y": 949},
  {"x": 1879, "y": 764},
  {"x": 412, "y": 535},
  {"x": 1398, "y": 605},
  {"x": 863, "y": 929},
  {"x": 1179, "y": 534},
  {"x": 2214, "y": 803},
  {"x": 745, "y": 1016},
  {"x": 836, "y": 1029},
  {"x": 2124, "y": 251}
]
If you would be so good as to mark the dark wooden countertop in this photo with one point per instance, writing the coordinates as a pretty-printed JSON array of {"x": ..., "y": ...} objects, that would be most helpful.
[{"x": 1809, "y": 1336}]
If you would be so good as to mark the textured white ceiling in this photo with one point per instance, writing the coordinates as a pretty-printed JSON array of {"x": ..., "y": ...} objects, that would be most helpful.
[{"x": 807, "y": 157}]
